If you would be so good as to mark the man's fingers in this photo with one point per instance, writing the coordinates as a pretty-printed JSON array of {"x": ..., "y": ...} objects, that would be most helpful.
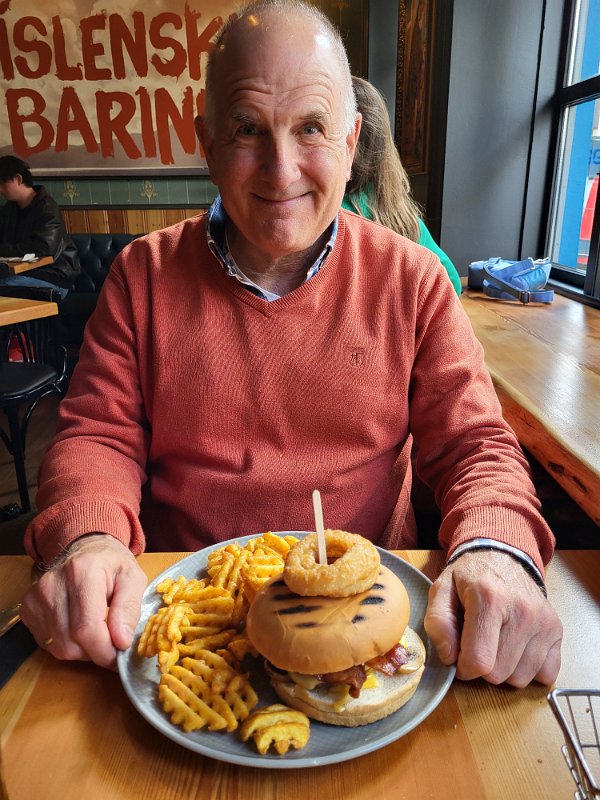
[
  {"x": 124, "y": 611},
  {"x": 548, "y": 673},
  {"x": 45, "y": 611},
  {"x": 480, "y": 634},
  {"x": 443, "y": 619},
  {"x": 88, "y": 611}
]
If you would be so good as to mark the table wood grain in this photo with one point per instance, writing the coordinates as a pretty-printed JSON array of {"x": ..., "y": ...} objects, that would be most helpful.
[
  {"x": 20, "y": 309},
  {"x": 16, "y": 267},
  {"x": 67, "y": 730},
  {"x": 545, "y": 364}
]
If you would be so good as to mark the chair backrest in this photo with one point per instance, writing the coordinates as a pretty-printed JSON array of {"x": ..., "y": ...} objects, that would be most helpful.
[
  {"x": 34, "y": 342},
  {"x": 37, "y": 341}
]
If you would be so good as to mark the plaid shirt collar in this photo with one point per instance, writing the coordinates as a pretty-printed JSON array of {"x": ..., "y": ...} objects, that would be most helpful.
[{"x": 216, "y": 235}]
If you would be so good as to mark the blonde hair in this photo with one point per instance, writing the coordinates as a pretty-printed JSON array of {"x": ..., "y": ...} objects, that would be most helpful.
[
  {"x": 377, "y": 171},
  {"x": 285, "y": 7}
]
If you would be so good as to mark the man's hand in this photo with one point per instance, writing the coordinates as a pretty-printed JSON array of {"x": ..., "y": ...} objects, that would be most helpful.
[
  {"x": 87, "y": 606},
  {"x": 488, "y": 616}
]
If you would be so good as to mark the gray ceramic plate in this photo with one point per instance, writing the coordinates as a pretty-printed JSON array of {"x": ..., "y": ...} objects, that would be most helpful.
[{"x": 328, "y": 744}]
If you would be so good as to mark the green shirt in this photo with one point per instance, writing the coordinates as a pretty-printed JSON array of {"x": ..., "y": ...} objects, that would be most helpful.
[{"x": 425, "y": 239}]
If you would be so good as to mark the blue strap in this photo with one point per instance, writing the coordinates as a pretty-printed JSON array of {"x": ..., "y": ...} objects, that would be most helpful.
[{"x": 527, "y": 279}]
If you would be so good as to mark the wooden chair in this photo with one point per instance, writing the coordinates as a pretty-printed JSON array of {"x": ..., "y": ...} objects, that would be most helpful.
[{"x": 25, "y": 382}]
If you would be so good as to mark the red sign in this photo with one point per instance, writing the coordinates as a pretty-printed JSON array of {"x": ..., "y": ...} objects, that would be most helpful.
[{"x": 91, "y": 87}]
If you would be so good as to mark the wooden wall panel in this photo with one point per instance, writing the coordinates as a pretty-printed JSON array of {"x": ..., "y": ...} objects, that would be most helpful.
[
  {"x": 422, "y": 83},
  {"x": 128, "y": 220}
]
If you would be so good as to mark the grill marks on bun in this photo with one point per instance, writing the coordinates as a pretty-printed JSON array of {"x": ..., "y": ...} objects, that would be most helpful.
[
  {"x": 313, "y": 635},
  {"x": 288, "y": 603}
]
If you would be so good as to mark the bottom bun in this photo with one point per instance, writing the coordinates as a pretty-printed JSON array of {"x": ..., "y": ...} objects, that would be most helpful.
[{"x": 391, "y": 693}]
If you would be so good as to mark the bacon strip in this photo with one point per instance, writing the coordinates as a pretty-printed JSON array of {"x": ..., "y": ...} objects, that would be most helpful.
[
  {"x": 389, "y": 662},
  {"x": 354, "y": 677}
]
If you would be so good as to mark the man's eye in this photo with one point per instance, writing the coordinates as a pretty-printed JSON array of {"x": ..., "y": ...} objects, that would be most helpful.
[
  {"x": 310, "y": 129},
  {"x": 248, "y": 130}
]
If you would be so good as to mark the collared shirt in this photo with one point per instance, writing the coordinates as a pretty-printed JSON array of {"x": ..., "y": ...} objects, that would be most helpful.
[{"x": 216, "y": 234}]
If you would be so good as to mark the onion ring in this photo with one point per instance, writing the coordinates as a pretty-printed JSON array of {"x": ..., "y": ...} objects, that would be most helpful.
[{"x": 354, "y": 567}]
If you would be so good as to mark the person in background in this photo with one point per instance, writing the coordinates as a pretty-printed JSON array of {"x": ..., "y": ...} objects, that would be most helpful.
[
  {"x": 30, "y": 222},
  {"x": 314, "y": 345},
  {"x": 379, "y": 187}
]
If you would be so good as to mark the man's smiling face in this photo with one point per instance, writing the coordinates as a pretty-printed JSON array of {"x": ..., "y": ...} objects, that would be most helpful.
[{"x": 279, "y": 153}]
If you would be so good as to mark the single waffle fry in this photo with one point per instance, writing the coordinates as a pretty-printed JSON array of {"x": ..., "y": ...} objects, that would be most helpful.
[
  {"x": 240, "y": 608},
  {"x": 168, "y": 658},
  {"x": 198, "y": 714},
  {"x": 259, "y": 568},
  {"x": 202, "y": 689},
  {"x": 276, "y": 725},
  {"x": 180, "y": 713},
  {"x": 240, "y": 696},
  {"x": 198, "y": 596},
  {"x": 212, "y": 668},
  {"x": 162, "y": 629},
  {"x": 211, "y": 642},
  {"x": 176, "y": 618},
  {"x": 221, "y": 561},
  {"x": 225, "y": 572},
  {"x": 228, "y": 656},
  {"x": 216, "y": 615},
  {"x": 169, "y": 588},
  {"x": 282, "y": 736},
  {"x": 278, "y": 544},
  {"x": 241, "y": 647},
  {"x": 210, "y": 658}
]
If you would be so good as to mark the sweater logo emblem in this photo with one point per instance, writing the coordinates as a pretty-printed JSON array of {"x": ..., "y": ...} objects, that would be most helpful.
[{"x": 357, "y": 357}]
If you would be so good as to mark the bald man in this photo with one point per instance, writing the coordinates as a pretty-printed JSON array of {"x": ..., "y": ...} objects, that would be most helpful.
[{"x": 316, "y": 346}]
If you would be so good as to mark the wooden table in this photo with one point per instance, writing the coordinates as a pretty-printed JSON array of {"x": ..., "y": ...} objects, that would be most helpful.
[
  {"x": 545, "y": 364},
  {"x": 20, "y": 309},
  {"x": 16, "y": 267},
  {"x": 68, "y": 730}
]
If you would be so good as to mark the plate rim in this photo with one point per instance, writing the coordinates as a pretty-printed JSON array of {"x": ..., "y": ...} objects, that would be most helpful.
[{"x": 270, "y": 761}]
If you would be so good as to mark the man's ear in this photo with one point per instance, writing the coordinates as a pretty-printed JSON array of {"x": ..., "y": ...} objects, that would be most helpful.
[
  {"x": 351, "y": 142},
  {"x": 206, "y": 143}
]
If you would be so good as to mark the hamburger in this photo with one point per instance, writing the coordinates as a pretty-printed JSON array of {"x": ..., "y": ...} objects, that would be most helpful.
[{"x": 341, "y": 660}]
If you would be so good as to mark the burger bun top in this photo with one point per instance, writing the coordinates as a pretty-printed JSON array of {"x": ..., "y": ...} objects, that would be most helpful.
[{"x": 314, "y": 635}]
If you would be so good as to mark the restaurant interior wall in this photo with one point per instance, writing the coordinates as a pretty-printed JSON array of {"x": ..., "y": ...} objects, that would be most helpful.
[{"x": 495, "y": 167}]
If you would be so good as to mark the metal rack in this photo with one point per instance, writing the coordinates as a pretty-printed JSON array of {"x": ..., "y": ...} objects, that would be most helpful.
[{"x": 578, "y": 714}]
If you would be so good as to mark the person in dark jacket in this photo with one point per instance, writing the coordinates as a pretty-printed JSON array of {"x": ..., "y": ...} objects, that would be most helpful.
[{"x": 30, "y": 222}]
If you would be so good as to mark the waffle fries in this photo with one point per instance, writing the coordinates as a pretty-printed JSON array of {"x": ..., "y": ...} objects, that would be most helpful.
[
  {"x": 276, "y": 725},
  {"x": 206, "y": 691},
  {"x": 198, "y": 639}
]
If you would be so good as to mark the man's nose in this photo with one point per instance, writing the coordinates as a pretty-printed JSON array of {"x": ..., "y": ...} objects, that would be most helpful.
[{"x": 281, "y": 159}]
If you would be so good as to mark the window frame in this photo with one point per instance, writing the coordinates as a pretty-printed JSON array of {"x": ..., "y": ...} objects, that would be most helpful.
[{"x": 583, "y": 287}]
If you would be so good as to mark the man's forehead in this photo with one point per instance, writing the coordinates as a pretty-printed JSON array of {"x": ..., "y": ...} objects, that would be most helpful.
[{"x": 275, "y": 46}]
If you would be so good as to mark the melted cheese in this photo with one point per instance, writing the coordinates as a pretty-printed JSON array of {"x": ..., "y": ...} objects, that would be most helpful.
[
  {"x": 339, "y": 692},
  {"x": 306, "y": 681}
]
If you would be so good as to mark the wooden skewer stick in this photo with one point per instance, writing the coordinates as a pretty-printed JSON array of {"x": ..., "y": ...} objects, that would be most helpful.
[{"x": 322, "y": 548}]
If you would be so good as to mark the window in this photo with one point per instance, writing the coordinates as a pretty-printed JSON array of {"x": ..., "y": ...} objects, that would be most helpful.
[{"x": 574, "y": 224}]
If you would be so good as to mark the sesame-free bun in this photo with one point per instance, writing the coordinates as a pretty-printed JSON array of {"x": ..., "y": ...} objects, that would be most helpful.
[
  {"x": 313, "y": 635},
  {"x": 391, "y": 693}
]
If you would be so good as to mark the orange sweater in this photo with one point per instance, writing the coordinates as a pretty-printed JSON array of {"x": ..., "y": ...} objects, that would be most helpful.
[{"x": 230, "y": 410}]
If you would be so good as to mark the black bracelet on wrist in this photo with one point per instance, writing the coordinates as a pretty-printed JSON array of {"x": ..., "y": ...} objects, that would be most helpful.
[{"x": 533, "y": 573}]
